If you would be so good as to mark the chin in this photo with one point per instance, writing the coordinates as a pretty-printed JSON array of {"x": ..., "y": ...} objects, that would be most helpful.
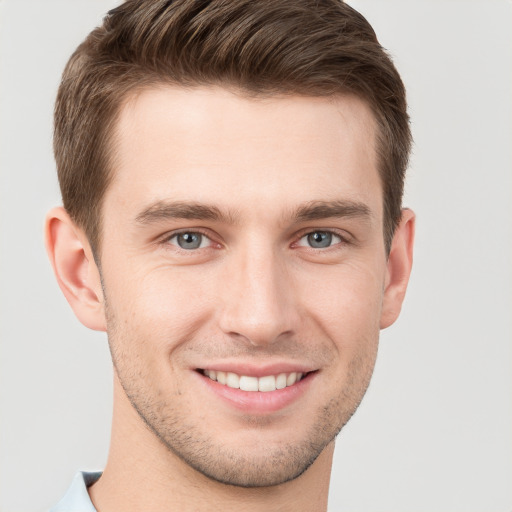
[{"x": 267, "y": 469}]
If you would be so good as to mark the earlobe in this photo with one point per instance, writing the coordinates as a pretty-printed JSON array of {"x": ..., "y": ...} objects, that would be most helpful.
[
  {"x": 399, "y": 266},
  {"x": 75, "y": 269}
]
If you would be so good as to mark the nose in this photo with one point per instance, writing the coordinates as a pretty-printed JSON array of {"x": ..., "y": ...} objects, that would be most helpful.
[{"x": 258, "y": 299}]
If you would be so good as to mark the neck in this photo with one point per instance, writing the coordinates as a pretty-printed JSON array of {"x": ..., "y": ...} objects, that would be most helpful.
[{"x": 142, "y": 474}]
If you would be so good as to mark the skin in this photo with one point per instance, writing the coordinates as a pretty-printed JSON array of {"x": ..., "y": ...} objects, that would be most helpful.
[{"x": 252, "y": 173}]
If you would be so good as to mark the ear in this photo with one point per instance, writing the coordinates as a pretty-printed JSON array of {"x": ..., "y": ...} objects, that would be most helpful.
[
  {"x": 398, "y": 269},
  {"x": 75, "y": 269}
]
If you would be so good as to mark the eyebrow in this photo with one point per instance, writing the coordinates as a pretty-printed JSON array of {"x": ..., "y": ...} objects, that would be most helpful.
[
  {"x": 310, "y": 211},
  {"x": 317, "y": 210},
  {"x": 165, "y": 210}
]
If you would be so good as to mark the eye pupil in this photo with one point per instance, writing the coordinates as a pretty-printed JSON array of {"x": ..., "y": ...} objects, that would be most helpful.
[
  {"x": 189, "y": 240},
  {"x": 320, "y": 239}
]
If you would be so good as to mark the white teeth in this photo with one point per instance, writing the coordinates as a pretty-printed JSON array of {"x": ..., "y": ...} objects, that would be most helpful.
[
  {"x": 291, "y": 379},
  {"x": 267, "y": 383},
  {"x": 232, "y": 380},
  {"x": 246, "y": 383},
  {"x": 281, "y": 381}
]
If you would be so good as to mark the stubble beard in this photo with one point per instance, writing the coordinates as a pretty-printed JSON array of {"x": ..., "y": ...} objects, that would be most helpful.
[{"x": 268, "y": 466}]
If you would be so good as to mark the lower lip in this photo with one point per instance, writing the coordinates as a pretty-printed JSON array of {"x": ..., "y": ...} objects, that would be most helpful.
[{"x": 259, "y": 402}]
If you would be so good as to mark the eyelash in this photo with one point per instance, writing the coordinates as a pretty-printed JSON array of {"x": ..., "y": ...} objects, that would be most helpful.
[
  {"x": 167, "y": 239},
  {"x": 331, "y": 233},
  {"x": 344, "y": 240}
]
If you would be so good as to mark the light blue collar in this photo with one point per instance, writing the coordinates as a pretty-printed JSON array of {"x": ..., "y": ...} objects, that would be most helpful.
[{"x": 77, "y": 498}]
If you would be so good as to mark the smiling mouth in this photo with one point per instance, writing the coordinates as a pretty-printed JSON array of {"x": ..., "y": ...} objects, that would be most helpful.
[{"x": 247, "y": 383}]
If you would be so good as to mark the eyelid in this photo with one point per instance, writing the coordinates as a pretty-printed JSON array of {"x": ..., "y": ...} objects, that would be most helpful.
[
  {"x": 346, "y": 238},
  {"x": 165, "y": 239}
]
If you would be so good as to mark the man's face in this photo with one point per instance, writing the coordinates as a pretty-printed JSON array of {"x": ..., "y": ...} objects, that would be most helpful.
[{"x": 243, "y": 238}]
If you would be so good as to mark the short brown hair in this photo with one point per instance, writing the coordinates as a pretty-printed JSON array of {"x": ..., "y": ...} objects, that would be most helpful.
[{"x": 261, "y": 47}]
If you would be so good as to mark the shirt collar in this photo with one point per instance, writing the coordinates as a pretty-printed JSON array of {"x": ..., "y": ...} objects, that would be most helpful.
[{"x": 77, "y": 498}]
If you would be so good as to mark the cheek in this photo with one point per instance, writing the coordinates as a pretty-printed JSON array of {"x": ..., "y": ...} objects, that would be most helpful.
[
  {"x": 348, "y": 302},
  {"x": 161, "y": 308}
]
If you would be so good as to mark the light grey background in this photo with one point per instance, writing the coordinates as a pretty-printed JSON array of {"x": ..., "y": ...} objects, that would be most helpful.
[{"x": 434, "y": 433}]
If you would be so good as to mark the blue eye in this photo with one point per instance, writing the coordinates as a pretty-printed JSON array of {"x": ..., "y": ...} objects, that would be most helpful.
[
  {"x": 320, "y": 239},
  {"x": 190, "y": 240}
]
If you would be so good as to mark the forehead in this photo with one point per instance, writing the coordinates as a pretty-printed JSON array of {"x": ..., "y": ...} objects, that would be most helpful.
[{"x": 209, "y": 144}]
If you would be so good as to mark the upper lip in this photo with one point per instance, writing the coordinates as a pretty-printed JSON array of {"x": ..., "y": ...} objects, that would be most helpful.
[{"x": 251, "y": 369}]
